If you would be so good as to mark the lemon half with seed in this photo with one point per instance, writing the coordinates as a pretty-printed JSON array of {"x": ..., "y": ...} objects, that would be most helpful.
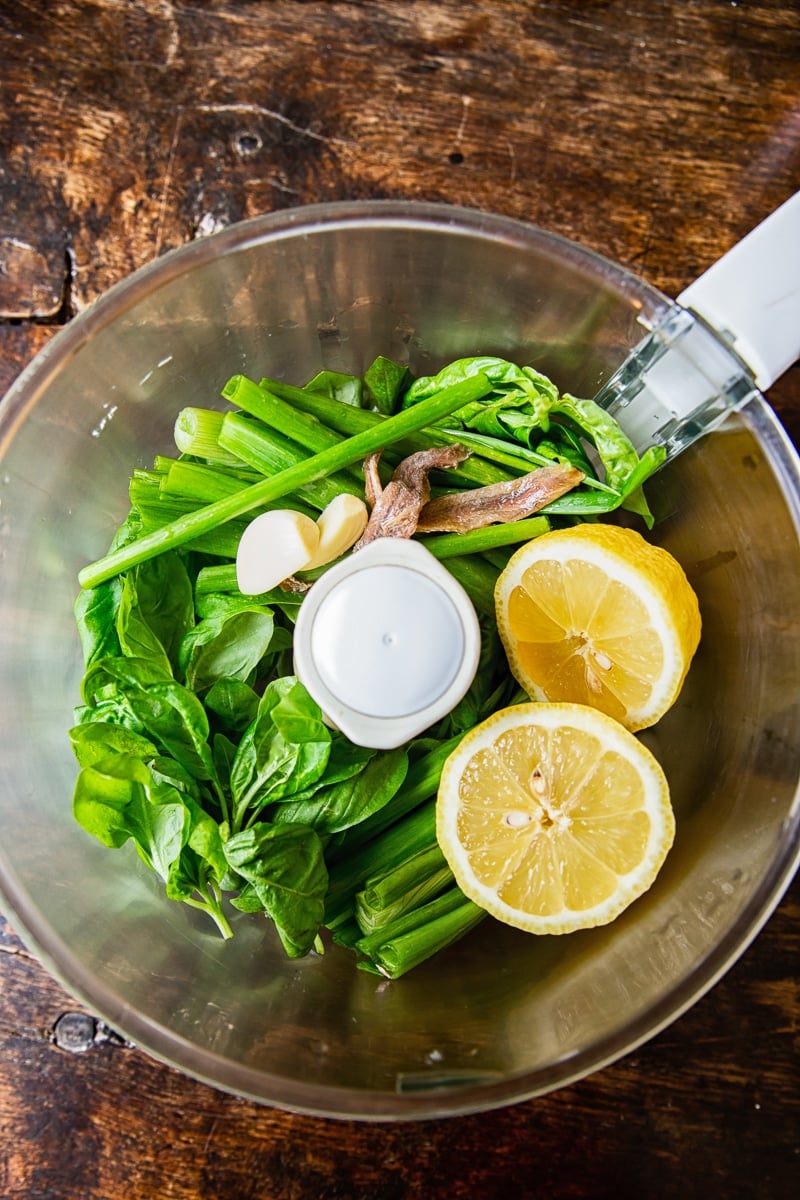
[
  {"x": 597, "y": 615},
  {"x": 553, "y": 817}
]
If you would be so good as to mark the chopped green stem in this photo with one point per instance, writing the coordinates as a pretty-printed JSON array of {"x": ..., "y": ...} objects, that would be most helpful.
[
  {"x": 197, "y": 433},
  {"x": 476, "y": 541},
  {"x": 202, "y": 483},
  {"x": 420, "y": 934},
  {"x": 270, "y": 452},
  {"x": 348, "y": 420},
  {"x": 301, "y": 427},
  {"x": 407, "y": 886},
  {"x": 221, "y": 578},
  {"x": 421, "y": 783},
  {"x": 478, "y": 579},
  {"x": 413, "y": 833},
  {"x": 352, "y": 450},
  {"x": 347, "y": 933}
]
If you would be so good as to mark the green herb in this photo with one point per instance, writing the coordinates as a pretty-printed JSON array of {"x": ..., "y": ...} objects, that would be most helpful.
[
  {"x": 195, "y": 742},
  {"x": 283, "y": 483}
]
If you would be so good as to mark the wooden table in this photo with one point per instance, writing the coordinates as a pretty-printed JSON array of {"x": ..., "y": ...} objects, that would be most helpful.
[{"x": 657, "y": 133}]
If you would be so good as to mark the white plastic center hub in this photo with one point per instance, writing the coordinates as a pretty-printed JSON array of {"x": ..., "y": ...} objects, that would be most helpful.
[{"x": 386, "y": 642}]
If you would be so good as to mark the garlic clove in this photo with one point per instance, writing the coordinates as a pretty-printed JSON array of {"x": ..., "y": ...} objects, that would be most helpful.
[
  {"x": 273, "y": 546},
  {"x": 340, "y": 525}
]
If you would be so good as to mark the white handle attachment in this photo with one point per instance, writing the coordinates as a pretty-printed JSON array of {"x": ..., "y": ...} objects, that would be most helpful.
[{"x": 751, "y": 296}]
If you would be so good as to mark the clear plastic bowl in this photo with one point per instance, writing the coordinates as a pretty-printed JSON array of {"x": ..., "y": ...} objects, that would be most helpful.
[{"x": 502, "y": 1015}]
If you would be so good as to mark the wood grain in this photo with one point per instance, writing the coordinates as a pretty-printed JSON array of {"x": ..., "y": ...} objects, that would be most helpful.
[{"x": 657, "y": 133}]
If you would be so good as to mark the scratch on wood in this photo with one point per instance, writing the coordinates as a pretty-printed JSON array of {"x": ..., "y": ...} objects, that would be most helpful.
[
  {"x": 174, "y": 37},
  {"x": 271, "y": 181},
  {"x": 466, "y": 101},
  {"x": 162, "y": 208},
  {"x": 258, "y": 110},
  {"x": 512, "y": 171},
  {"x": 211, "y": 1133},
  {"x": 17, "y": 952}
]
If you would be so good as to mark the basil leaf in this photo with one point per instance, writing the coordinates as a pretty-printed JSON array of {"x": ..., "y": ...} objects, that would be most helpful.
[
  {"x": 294, "y": 714},
  {"x": 344, "y": 762},
  {"x": 96, "y": 618},
  {"x": 350, "y": 801},
  {"x": 285, "y": 750},
  {"x": 231, "y": 647},
  {"x": 234, "y": 702},
  {"x": 347, "y": 389},
  {"x": 93, "y": 742},
  {"x": 248, "y": 900},
  {"x": 117, "y": 800},
  {"x": 156, "y": 609},
  {"x": 113, "y": 677},
  {"x": 176, "y": 720},
  {"x": 286, "y": 869},
  {"x": 386, "y": 381}
]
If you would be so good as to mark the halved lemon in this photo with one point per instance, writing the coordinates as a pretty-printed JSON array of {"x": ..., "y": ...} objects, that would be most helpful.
[
  {"x": 553, "y": 817},
  {"x": 597, "y": 615}
]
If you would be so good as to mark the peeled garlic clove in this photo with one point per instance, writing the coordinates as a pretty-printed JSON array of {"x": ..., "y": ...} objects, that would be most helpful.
[
  {"x": 340, "y": 526},
  {"x": 273, "y": 546}
]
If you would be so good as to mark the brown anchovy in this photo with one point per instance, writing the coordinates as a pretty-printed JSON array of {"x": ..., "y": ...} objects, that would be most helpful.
[
  {"x": 372, "y": 480},
  {"x": 498, "y": 502},
  {"x": 396, "y": 507}
]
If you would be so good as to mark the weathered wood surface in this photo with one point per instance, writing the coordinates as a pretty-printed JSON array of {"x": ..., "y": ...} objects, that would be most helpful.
[{"x": 657, "y": 133}]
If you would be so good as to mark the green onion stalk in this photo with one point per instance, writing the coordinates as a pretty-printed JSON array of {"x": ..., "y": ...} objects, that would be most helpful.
[{"x": 337, "y": 457}]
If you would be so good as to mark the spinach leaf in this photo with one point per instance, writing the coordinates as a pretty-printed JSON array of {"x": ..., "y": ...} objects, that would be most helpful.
[
  {"x": 348, "y": 801},
  {"x": 497, "y": 370},
  {"x": 286, "y": 869},
  {"x": 526, "y": 407}
]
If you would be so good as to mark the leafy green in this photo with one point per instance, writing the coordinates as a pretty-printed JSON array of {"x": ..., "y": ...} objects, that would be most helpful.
[
  {"x": 96, "y": 617},
  {"x": 156, "y": 610},
  {"x": 285, "y": 867},
  {"x": 346, "y": 802},
  {"x": 117, "y": 799},
  {"x": 385, "y": 382},
  {"x": 197, "y": 744},
  {"x": 347, "y": 389},
  {"x": 226, "y": 647},
  {"x": 285, "y": 749},
  {"x": 526, "y": 407}
]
